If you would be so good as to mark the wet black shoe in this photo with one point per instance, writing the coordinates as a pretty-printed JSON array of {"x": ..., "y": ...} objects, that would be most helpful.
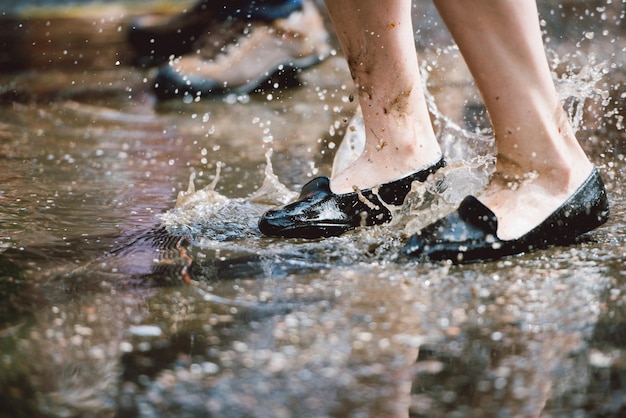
[
  {"x": 319, "y": 212},
  {"x": 469, "y": 233},
  {"x": 239, "y": 56}
]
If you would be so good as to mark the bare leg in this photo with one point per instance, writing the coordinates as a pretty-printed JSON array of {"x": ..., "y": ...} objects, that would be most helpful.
[
  {"x": 377, "y": 39},
  {"x": 539, "y": 161}
]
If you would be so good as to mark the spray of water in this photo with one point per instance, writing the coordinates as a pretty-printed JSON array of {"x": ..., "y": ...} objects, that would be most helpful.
[
  {"x": 470, "y": 154},
  {"x": 272, "y": 191},
  {"x": 580, "y": 87}
]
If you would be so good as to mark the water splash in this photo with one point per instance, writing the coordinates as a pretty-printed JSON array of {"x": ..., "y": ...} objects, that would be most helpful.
[
  {"x": 578, "y": 86},
  {"x": 208, "y": 215},
  {"x": 457, "y": 143},
  {"x": 351, "y": 145},
  {"x": 192, "y": 198},
  {"x": 272, "y": 191},
  {"x": 214, "y": 218}
]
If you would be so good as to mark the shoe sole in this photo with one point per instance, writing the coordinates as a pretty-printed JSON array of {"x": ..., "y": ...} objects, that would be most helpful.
[{"x": 169, "y": 84}]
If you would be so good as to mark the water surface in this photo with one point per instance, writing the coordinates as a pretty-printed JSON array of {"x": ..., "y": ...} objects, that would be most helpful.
[{"x": 117, "y": 302}]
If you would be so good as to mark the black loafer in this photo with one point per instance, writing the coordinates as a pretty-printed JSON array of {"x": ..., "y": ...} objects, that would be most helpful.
[
  {"x": 319, "y": 212},
  {"x": 469, "y": 233}
]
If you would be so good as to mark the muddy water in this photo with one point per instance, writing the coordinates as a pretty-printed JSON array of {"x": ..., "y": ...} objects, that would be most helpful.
[{"x": 103, "y": 313}]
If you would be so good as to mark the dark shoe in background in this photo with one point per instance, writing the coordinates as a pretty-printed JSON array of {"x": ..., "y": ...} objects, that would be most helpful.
[
  {"x": 155, "y": 38},
  {"x": 238, "y": 50}
]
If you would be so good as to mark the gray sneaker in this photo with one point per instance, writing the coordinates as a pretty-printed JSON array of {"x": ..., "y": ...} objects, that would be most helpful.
[
  {"x": 241, "y": 56},
  {"x": 155, "y": 38}
]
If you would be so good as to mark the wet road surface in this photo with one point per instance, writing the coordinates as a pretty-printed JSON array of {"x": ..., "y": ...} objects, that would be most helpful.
[{"x": 116, "y": 301}]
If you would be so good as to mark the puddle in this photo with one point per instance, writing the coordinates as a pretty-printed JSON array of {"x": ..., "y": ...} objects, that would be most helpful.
[{"x": 134, "y": 281}]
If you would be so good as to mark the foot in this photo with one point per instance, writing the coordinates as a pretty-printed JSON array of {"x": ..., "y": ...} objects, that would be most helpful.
[
  {"x": 367, "y": 172},
  {"x": 470, "y": 233},
  {"x": 522, "y": 201},
  {"x": 238, "y": 55},
  {"x": 403, "y": 147}
]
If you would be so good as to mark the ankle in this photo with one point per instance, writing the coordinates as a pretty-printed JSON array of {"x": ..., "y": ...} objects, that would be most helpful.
[{"x": 560, "y": 178}]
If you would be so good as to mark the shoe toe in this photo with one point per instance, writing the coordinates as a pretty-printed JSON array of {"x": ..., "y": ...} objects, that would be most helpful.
[
  {"x": 443, "y": 237},
  {"x": 274, "y": 221},
  {"x": 469, "y": 231},
  {"x": 309, "y": 218}
]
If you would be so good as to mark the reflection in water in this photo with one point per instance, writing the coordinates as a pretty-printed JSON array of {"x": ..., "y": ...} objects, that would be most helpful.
[
  {"x": 516, "y": 321},
  {"x": 116, "y": 300}
]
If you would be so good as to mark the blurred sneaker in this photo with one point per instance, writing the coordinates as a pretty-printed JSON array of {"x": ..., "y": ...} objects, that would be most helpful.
[
  {"x": 242, "y": 54},
  {"x": 156, "y": 38}
]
